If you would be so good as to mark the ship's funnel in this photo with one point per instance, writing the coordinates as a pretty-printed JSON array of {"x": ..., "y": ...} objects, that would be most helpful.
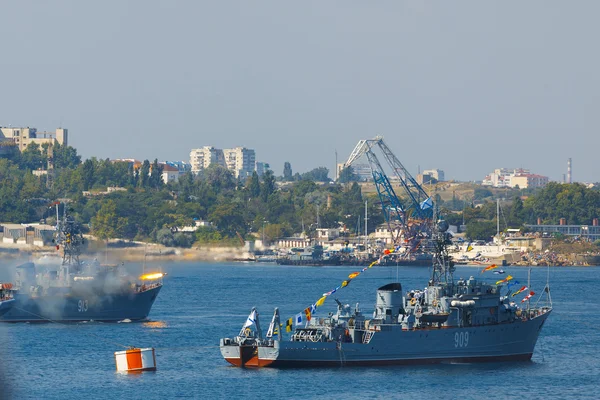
[{"x": 390, "y": 296}]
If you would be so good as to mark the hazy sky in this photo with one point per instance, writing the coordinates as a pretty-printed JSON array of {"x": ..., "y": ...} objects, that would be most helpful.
[{"x": 464, "y": 86}]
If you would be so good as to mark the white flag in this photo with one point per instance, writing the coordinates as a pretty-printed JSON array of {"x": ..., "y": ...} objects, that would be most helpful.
[{"x": 250, "y": 320}]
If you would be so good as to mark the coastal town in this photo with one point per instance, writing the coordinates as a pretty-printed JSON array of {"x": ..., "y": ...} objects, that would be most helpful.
[{"x": 323, "y": 235}]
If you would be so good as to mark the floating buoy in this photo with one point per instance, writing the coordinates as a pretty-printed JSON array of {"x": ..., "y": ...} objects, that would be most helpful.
[{"x": 135, "y": 360}]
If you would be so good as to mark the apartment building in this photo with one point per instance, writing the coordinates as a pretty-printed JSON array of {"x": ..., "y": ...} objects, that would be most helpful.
[
  {"x": 203, "y": 157},
  {"x": 241, "y": 161}
]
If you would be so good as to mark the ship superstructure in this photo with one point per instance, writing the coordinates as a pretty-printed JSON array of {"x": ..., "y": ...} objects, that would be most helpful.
[{"x": 466, "y": 320}]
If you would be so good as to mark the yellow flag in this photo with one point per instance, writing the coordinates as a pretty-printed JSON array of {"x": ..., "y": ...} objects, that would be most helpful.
[
  {"x": 345, "y": 283},
  {"x": 320, "y": 302},
  {"x": 353, "y": 275}
]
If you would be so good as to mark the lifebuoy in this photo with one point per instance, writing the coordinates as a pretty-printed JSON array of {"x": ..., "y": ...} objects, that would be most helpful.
[
  {"x": 413, "y": 301},
  {"x": 435, "y": 303}
]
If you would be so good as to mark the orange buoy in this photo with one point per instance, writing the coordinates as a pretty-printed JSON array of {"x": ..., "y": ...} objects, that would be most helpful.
[{"x": 135, "y": 360}]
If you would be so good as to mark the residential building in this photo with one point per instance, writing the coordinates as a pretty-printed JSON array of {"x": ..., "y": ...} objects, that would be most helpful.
[
  {"x": 22, "y": 137},
  {"x": 169, "y": 173},
  {"x": 261, "y": 168},
  {"x": 203, "y": 157},
  {"x": 436, "y": 174},
  {"x": 525, "y": 181},
  {"x": 241, "y": 161},
  {"x": 523, "y": 178}
]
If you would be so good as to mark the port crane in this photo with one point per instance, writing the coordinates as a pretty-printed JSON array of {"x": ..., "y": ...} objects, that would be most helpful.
[{"x": 409, "y": 218}]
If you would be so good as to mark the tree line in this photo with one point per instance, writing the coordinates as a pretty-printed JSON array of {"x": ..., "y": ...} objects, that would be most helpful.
[{"x": 149, "y": 209}]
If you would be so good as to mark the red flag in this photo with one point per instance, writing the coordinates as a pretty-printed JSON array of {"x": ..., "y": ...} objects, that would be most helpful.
[
  {"x": 307, "y": 312},
  {"x": 493, "y": 266}
]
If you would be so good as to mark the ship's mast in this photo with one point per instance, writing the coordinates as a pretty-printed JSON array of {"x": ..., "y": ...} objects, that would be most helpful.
[
  {"x": 443, "y": 267},
  {"x": 70, "y": 237}
]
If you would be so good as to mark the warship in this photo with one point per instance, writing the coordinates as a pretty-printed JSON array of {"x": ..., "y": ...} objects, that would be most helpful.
[
  {"x": 78, "y": 291},
  {"x": 448, "y": 321}
]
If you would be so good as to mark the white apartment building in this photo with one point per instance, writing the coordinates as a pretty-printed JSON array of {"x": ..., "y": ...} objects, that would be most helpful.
[
  {"x": 203, "y": 157},
  {"x": 241, "y": 161},
  {"x": 22, "y": 137}
]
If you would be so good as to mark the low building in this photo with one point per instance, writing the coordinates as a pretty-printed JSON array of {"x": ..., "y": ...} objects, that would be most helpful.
[
  {"x": 170, "y": 174},
  {"x": 588, "y": 232},
  {"x": 24, "y": 136},
  {"x": 436, "y": 174},
  {"x": 328, "y": 233},
  {"x": 298, "y": 242},
  {"x": 529, "y": 181},
  {"x": 510, "y": 178}
]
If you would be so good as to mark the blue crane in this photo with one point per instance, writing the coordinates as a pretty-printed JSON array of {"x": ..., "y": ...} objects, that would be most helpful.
[{"x": 410, "y": 217}]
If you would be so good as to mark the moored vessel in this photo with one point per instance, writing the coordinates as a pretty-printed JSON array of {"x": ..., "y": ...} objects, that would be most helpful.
[{"x": 447, "y": 321}]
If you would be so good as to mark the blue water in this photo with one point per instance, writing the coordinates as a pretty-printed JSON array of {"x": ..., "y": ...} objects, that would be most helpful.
[{"x": 200, "y": 303}]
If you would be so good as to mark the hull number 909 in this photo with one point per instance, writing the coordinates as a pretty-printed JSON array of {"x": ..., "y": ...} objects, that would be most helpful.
[{"x": 461, "y": 339}]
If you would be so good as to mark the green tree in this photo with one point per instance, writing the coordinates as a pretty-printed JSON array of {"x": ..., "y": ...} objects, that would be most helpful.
[
  {"x": 287, "y": 172},
  {"x": 155, "y": 179},
  {"x": 347, "y": 175},
  {"x": 144, "y": 174},
  {"x": 268, "y": 186},
  {"x": 87, "y": 174},
  {"x": 107, "y": 224},
  {"x": 32, "y": 158},
  {"x": 254, "y": 185},
  {"x": 481, "y": 230},
  {"x": 320, "y": 174},
  {"x": 65, "y": 156}
]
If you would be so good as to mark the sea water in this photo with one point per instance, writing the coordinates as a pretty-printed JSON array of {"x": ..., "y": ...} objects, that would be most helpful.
[{"x": 202, "y": 302}]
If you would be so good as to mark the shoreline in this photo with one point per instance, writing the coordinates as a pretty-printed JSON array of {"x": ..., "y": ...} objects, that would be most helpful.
[{"x": 155, "y": 253}]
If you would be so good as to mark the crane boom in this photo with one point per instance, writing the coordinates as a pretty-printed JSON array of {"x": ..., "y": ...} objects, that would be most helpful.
[{"x": 419, "y": 207}]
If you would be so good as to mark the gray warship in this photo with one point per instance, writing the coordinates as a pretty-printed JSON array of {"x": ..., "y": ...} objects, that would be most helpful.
[
  {"x": 450, "y": 321},
  {"x": 77, "y": 291}
]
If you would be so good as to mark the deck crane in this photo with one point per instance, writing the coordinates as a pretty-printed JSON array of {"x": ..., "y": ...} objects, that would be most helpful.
[{"x": 409, "y": 221}]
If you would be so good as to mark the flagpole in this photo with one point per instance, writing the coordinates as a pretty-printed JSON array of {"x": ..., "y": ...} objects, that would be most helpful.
[{"x": 529, "y": 286}]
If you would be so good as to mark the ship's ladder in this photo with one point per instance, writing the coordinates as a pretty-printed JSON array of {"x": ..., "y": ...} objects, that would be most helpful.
[{"x": 368, "y": 336}]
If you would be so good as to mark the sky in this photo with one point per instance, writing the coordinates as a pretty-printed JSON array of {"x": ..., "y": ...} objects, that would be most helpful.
[{"x": 462, "y": 86}]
